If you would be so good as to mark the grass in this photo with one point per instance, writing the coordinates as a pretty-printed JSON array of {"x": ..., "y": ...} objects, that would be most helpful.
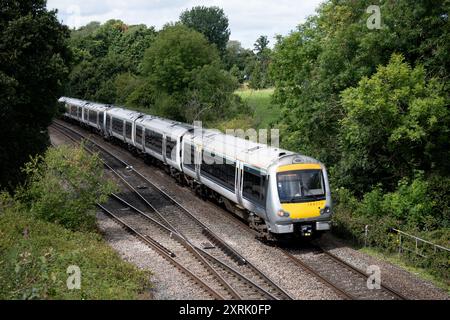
[
  {"x": 260, "y": 101},
  {"x": 395, "y": 259},
  {"x": 35, "y": 255}
]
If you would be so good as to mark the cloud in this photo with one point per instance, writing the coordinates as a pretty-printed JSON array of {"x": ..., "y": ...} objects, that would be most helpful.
[{"x": 248, "y": 18}]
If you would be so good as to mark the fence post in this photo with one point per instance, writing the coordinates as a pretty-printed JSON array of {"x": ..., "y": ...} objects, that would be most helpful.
[{"x": 366, "y": 231}]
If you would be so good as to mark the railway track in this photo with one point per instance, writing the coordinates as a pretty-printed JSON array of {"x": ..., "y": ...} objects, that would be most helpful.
[
  {"x": 347, "y": 280},
  {"x": 146, "y": 209}
]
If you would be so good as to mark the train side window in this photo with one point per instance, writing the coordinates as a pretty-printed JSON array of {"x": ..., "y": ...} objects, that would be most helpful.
[
  {"x": 189, "y": 156},
  {"x": 100, "y": 118},
  {"x": 254, "y": 186},
  {"x": 138, "y": 137},
  {"x": 170, "y": 145},
  {"x": 219, "y": 169},
  {"x": 92, "y": 116},
  {"x": 128, "y": 130},
  {"x": 117, "y": 126},
  {"x": 153, "y": 140}
]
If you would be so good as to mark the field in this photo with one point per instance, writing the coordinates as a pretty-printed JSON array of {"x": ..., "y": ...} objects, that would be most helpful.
[{"x": 260, "y": 101}]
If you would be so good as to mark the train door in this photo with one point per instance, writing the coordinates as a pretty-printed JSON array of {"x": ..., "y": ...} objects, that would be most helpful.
[{"x": 239, "y": 180}]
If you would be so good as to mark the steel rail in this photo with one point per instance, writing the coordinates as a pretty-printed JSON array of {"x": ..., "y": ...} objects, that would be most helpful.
[{"x": 214, "y": 238}]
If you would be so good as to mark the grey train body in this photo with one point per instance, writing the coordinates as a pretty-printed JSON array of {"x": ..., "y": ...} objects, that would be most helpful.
[{"x": 276, "y": 191}]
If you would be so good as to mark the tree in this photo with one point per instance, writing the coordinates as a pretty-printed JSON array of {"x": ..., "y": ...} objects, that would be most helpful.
[
  {"x": 103, "y": 52},
  {"x": 183, "y": 76},
  {"x": 34, "y": 63},
  {"x": 238, "y": 60},
  {"x": 396, "y": 123},
  {"x": 334, "y": 49},
  {"x": 259, "y": 74},
  {"x": 261, "y": 45},
  {"x": 209, "y": 21}
]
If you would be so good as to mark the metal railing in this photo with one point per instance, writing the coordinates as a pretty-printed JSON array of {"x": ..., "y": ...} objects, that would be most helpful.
[{"x": 419, "y": 245}]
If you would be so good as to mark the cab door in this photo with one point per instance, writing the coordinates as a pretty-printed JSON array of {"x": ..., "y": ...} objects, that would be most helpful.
[{"x": 239, "y": 180}]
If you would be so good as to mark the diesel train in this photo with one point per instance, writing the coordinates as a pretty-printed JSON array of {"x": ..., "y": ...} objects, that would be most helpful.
[{"x": 278, "y": 192}]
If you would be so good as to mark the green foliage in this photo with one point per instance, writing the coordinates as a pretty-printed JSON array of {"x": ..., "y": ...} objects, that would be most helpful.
[
  {"x": 64, "y": 186},
  {"x": 34, "y": 257},
  {"x": 395, "y": 122},
  {"x": 184, "y": 79},
  {"x": 209, "y": 21},
  {"x": 334, "y": 49},
  {"x": 412, "y": 207},
  {"x": 33, "y": 64},
  {"x": 104, "y": 53},
  {"x": 259, "y": 69},
  {"x": 238, "y": 60}
]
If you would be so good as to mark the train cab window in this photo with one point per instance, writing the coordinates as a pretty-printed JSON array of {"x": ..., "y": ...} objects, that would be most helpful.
[
  {"x": 153, "y": 141},
  {"x": 128, "y": 130},
  {"x": 219, "y": 170},
  {"x": 108, "y": 121},
  {"x": 117, "y": 126},
  {"x": 254, "y": 186},
  {"x": 100, "y": 118},
  {"x": 189, "y": 156},
  {"x": 92, "y": 116},
  {"x": 138, "y": 137},
  {"x": 170, "y": 146}
]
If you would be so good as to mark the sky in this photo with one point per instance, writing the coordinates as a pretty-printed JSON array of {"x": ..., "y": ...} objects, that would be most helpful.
[{"x": 248, "y": 19}]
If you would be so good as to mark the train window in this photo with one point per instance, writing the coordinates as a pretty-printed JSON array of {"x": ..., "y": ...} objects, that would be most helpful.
[
  {"x": 153, "y": 140},
  {"x": 108, "y": 121},
  {"x": 170, "y": 145},
  {"x": 254, "y": 186},
  {"x": 100, "y": 118},
  {"x": 128, "y": 130},
  {"x": 73, "y": 110},
  {"x": 117, "y": 126},
  {"x": 219, "y": 170},
  {"x": 92, "y": 116},
  {"x": 189, "y": 156},
  {"x": 79, "y": 112},
  {"x": 138, "y": 137}
]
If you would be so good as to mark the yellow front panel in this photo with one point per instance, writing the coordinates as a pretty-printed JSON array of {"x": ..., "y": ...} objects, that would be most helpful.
[
  {"x": 304, "y": 209},
  {"x": 299, "y": 166}
]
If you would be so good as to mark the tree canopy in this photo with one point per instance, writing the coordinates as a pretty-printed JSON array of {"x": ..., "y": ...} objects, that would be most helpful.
[
  {"x": 209, "y": 21},
  {"x": 34, "y": 62}
]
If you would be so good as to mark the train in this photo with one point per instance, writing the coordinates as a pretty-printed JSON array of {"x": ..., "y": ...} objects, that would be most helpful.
[{"x": 279, "y": 193}]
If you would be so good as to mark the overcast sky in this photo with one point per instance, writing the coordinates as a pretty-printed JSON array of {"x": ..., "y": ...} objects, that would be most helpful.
[{"x": 248, "y": 18}]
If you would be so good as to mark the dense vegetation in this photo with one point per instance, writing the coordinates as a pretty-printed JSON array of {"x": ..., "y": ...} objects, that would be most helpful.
[
  {"x": 49, "y": 225},
  {"x": 373, "y": 104},
  {"x": 34, "y": 62}
]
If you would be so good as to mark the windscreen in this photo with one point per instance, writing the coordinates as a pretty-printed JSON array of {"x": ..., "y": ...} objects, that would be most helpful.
[{"x": 300, "y": 186}]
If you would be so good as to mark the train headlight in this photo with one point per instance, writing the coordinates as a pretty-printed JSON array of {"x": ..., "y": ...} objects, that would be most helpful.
[
  {"x": 282, "y": 213},
  {"x": 326, "y": 210}
]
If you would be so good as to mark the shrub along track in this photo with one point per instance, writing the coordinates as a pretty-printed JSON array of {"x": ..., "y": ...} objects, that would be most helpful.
[{"x": 178, "y": 235}]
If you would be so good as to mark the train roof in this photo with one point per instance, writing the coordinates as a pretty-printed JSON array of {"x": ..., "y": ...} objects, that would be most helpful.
[
  {"x": 258, "y": 155},
  {"x": 124, "y": 114},
  {"x": 168, "y": 127},
  {"x": 84, "y": 103}
]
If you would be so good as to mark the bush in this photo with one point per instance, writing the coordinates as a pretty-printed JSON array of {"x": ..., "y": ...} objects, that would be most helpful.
[
  {"x": 412, "y": 207},
  {"x": 63, "y": 187}
]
